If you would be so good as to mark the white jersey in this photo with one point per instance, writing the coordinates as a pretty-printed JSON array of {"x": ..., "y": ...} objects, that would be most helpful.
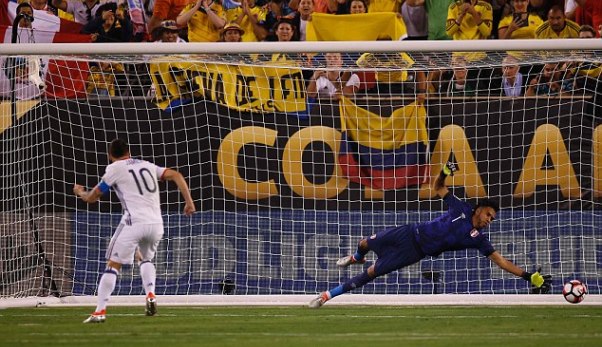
[
  {"x": 80, "y": 11},
  {"x": 136, "y": 183}
]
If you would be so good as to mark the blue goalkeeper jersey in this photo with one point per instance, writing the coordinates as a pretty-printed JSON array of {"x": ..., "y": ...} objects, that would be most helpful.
[{"x": 452, "y": 231}]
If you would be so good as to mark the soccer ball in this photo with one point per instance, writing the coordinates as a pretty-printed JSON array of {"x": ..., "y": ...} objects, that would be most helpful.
[{"x": 574, "y": 291}]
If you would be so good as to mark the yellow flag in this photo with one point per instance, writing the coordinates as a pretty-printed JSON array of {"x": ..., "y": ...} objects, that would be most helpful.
[{"x": 356, "y": 27}]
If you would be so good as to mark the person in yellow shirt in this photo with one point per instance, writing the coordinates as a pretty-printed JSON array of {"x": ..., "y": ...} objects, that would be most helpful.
[
  {"x": 557, "y": 26},
  {"x": 520, "y": 24},
  {"x": 101, "y": 80},
  {"x": 248, "y": 16},
  {"x": 205, "y": 20},
  {"x": 469, "y": 20},
  {"x": 384, "y": 6}
]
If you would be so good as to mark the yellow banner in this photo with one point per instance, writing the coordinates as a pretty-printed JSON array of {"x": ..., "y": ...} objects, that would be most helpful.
[
  {"x": 405, "y": 125},
  {"x": 356, "y": 27},
  {"x": 240, "y": 87}
]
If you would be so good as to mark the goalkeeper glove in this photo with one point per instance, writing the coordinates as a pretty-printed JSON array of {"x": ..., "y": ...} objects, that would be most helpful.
[
  {"x": 448, "y": 169},
  {"x": 540, "y": 284}
]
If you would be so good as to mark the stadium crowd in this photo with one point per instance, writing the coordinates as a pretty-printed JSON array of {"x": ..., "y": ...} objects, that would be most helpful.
[{"x": 181, "y": 21}]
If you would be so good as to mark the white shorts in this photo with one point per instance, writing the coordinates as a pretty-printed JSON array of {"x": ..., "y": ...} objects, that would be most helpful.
[{"x": 127, "y": 238}]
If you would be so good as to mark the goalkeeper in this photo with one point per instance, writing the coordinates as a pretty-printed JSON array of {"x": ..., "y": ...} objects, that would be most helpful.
[{"x": 459, "y": 228}]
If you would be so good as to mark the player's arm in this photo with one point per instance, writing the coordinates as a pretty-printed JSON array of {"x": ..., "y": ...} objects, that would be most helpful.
[
  {"x": 178, "y": 179},
  {"x": 535, "y": 278},
  {"x": 90, "y": 196},
  {"x": 448, "y": 170}
]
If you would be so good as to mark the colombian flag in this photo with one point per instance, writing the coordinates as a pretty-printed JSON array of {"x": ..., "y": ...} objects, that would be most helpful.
[{"x": 384, "y": 153}]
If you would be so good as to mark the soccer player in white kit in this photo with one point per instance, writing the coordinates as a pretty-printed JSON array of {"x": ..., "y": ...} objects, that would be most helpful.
[{"x": 141, "y": 228}]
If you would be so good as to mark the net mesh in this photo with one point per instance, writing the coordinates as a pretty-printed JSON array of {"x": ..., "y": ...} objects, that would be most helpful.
[{"x": 291, "y": 161}]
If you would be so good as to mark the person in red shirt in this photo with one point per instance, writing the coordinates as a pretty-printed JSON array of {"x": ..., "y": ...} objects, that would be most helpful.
[
  {"x": 165, "y": 10},
  {"x": 589, "y": 12}
]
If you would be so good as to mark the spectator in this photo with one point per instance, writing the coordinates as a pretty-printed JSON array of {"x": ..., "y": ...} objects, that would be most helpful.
[
  {"x": 26, "y": 10},
  {"x": 28, "y": 82},
  {"x": 469, "y": 20},
  {"x": 551, "y": 81},
  {"x": 302, "y": 17},
  {"x": 501, "y": 8},
  {"x": 165, "y": 10},
  {"x": 455, "y": 84},
  {"x": 357, "y": 7},
  {"x": 436, "y": 11},
  {"x": 168, "y": 32},
  {"x": 248, "y": 16},
  {"x": 112, "y": 24},
  {"x": 587, "y": 73},
  {"x": 101, "y": 81},
  {"x": 232, "y": 32},
  {"x": 542, "y": 7},
  {"x": 339, "y": 6},
  {"x": 415, "y": 18},
  {"x": 383, "y": 6},
  {"x": 512, "y": 81},
  {"x": 285, "y": 31},
  {"x": 557, "y": 26},
  {"x": 319, "y": 6},
  {"x": 277, "y": 10},
  {"x": 588, "y": 12},
  {"x": 42, "y": 5},
  {"x": 332, "y": 81},
  {"x": 25, "y": 86},
  {"x": 587, "y": 32},
  {"x": 397, "y": 78},
  {"x": 520, "y": 24},
  {"x": 83, "y": 11},
  {"x": 205, "y": 20}
]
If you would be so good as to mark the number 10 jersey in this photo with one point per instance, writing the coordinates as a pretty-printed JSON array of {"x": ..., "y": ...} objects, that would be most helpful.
[{"x": 135, "y": 182}]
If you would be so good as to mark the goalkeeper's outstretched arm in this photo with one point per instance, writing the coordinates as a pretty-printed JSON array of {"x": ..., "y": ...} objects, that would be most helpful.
[
  {"x": 448, "y": 170},
  {"x": 535, "y": 278}
]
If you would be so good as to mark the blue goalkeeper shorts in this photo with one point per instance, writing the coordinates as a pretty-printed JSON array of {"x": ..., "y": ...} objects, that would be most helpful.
[{"x": 396, "y": 248}]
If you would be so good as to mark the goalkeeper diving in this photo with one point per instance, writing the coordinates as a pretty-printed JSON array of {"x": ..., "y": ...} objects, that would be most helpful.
[{"x": 460, "y": 228}]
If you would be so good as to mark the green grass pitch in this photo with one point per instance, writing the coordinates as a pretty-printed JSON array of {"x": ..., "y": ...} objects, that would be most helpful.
[{"x": 329, "y": 326}]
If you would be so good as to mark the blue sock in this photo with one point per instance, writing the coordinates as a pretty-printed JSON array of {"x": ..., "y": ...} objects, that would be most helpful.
[
  {"x": 336, "y": 291},
  {"x": 359, "y": 253},
  {"x": 352, "y": 283}
]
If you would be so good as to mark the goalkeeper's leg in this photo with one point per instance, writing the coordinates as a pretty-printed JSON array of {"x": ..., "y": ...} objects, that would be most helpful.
[
  {"x": 358, "y": 257},
  {"x": 352, "y": 283}
]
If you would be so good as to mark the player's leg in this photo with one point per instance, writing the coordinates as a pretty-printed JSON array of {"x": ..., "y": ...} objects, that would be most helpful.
[
  {"x": 106, "y": 285},
  {"x": 121, "y": 251},
  {"x": 395, "y": 248},
  {"x": 352, "y": 283},
  {"x": 359, "y": 257},
  {"x": 148, "y": 273}
]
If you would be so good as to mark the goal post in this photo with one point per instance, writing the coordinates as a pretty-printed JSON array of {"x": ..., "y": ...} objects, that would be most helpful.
[{"x": 293, "y": 154}]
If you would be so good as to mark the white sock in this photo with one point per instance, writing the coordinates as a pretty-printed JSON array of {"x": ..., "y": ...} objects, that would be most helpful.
[
  {"x": 106, "y": 287},
  {"x": 148, "y": 273}
]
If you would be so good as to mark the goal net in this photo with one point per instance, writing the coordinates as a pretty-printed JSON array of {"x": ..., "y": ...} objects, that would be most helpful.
[{"x": 292, "y": 158}]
